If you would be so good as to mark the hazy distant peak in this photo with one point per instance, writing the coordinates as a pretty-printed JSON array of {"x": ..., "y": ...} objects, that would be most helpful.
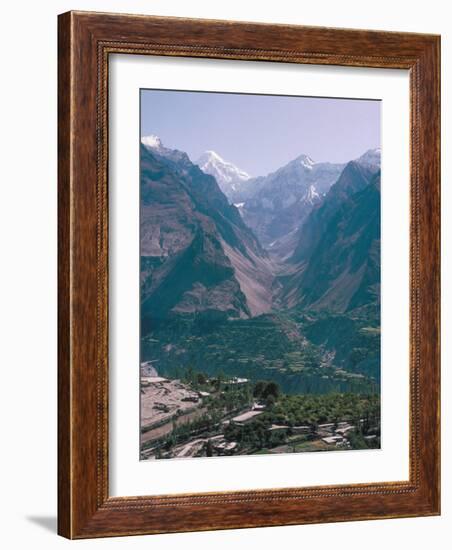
[
  {"x": 152, "y": 141},
  {"x": 306, "y": 161},
  {"x": 372, "y": 156},
  {"x": 229, "y": 177},
  {"x": 211, "y": 156},
  {"x": 212, "y": 163}
]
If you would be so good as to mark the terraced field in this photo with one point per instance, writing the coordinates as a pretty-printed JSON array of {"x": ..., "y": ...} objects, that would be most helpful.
[{"x": 303, "y": 354}]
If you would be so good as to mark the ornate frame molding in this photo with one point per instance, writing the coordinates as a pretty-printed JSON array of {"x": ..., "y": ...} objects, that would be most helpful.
[{"x": 85, "y": 42}]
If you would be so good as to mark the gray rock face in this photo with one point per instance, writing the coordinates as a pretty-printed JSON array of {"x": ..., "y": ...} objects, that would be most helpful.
[
  {"x": 197, "y": 255},
  {"x": 336, "y": 262},
  {"x": 281, "y": 201},
  {"x": 231, "y": 179},
  {"x": 306, "y": 235}
]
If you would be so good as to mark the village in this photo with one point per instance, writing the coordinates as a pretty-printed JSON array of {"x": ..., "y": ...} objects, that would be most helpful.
[{"x": 206, "y": 417}]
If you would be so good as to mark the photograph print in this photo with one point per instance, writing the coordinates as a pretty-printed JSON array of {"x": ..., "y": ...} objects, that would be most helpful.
[{"x": 259, "y": 274}]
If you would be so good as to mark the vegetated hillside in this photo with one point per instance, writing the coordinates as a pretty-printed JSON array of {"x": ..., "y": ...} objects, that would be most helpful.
[{"x": 315, "y": 353}]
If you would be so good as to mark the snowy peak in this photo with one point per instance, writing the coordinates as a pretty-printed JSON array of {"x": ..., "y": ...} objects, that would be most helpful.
[
  {"x": 306, "y": 161},
  {"x": 154, "y": 144},
  {"x": 211, "y": 163},
  {"x": 312, "y": 196},
  {"x": 211, "y": 156},
  {"x": 372, "y": 157},
  {"x": 152, "y": 141},
  {"x": 228, "y": 176}
]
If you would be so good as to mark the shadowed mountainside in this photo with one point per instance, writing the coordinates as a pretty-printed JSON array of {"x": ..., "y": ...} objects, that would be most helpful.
[
  {"x": 197, "y": 255},
  {"x": 336, "y": 264}
]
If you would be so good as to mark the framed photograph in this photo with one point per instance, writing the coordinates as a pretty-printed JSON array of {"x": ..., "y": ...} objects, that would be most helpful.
[{"x": 248, "y": 275}]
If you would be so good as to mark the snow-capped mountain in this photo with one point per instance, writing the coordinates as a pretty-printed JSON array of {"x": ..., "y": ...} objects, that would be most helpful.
[
  {"x": 229, "y": 177},
  {"x": 154, "y": 144},
  {"x": 307, "y": 233},
  {"x": 372, "y": 157},
  {"x": 336, "y": 259},
  {"x": 306, "y": 161},
  {"x": 278, "y": 203},
  {"x": 152, "y": 141},
  {"x": 312, "y": 196},
  {"x": 197, "y": 254}
]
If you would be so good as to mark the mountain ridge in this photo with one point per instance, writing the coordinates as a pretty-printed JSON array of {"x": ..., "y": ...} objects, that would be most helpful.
[
  {"x": 219, "y": 252},
  {"x": 229, "y": 177},
  {"x": 282, "y": 200},
  {"x": 214, "y": 298},
  {"x": 336, "y": 263},
  {"x": 197, "y": 253}
]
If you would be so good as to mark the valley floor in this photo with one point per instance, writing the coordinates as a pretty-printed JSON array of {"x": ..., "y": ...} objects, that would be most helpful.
[{"x": 303, "y": 351}]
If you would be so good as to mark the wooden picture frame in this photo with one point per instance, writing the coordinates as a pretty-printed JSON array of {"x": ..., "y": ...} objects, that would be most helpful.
[{"x": 86, "y": 40}]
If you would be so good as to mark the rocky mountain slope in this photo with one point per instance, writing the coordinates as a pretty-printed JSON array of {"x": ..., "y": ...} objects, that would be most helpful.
[
  {"x": 278, "y": 204},
  {"x": 231, "y": 179},
  {"x": 219, "y": 295},
  {"x": 202, "y": 254},
  {"x": 197, "y": 255},
  {"x": 336, "y": 263}
]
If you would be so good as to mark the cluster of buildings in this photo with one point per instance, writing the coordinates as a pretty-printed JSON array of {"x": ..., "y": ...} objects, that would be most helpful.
[
  {"x": 256, "y": 410},
  {"x": 336, "y": 435},
  {"x": 163, "y": 398},
  {"x": 295, "y": 430},
  {"x": 246, "y": 417},
  {"x": 223, "y": 447}
]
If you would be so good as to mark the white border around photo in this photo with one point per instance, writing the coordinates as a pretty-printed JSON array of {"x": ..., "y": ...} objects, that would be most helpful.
[{"x": 129, "y": 475}]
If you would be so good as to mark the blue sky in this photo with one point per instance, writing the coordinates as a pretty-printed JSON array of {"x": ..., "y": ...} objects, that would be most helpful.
[{"x": 260, "y": 133}]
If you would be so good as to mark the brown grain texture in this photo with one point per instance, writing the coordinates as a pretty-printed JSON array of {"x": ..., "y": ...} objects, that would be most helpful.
[
  {"x": 64, "y": 294},
  {"x": 85, "y": 42}
]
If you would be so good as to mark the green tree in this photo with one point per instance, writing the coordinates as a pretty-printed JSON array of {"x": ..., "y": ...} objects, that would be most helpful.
[
  {"x": 357, "y": 441},
  {"x": 189, "y": 374},
  {"x": 272, "y": 388},
  {"x": 201, "y": 379},
  {"x": 270, "y": 400},
  {"x": 209, "y": 450},
  {"x": 259, "y": 387},
  {"x": 219, "y": 380}
]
